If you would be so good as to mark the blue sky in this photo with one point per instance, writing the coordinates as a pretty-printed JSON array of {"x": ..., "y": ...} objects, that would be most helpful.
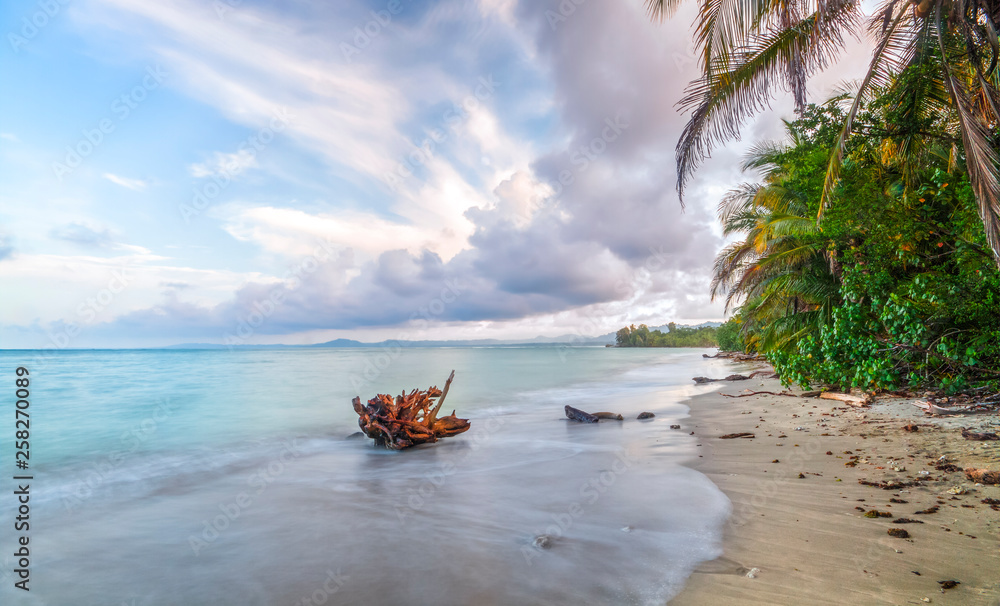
[{"x": 261, "y": 172}]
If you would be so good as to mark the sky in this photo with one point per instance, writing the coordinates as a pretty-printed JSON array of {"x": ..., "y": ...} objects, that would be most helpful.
[{"x": 235, "y": 171}]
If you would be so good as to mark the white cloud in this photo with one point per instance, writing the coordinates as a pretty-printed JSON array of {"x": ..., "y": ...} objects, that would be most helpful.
[
  {"x": 10, "y": 137},
  {"x": 133, "y": 184},
  {"x": 225, "y": 164}
]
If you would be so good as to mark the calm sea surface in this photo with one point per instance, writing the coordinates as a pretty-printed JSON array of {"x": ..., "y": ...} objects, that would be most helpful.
[{"x": 217, "y": 477}]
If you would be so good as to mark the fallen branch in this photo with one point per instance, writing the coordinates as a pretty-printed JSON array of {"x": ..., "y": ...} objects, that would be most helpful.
[
  {"x": 700, "y": 380},
  {"x": 856, "y": 401},
  {"x": 757, "y": 393}
]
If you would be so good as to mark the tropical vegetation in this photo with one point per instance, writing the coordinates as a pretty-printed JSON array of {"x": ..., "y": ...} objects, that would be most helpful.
[
  {"x": 676, "y": 336},
  {"x": 895, "y": 287},
  {"x": 749, "y": 49},
  {"x": 867, "y": 252}
]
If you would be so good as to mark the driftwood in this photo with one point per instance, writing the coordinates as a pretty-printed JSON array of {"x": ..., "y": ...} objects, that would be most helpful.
[
  {"x": 730, "y": 436},
  {"x": 575, "y": 414},
  {"x": 933, "y": 409},
  {"x": 757, "y": 393},
  {"x": 614, "y": 416},
  {"x": 980, "y": 437},
  {"x": 736, "y": 356},
  {"x": 700, "y": 380},
  {"x": 408, "y": 419},
  {"x": 856, "y": 401}
]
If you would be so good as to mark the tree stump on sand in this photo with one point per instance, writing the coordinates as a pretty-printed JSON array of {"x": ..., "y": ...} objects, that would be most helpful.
[{"x": 408, "y": 419}]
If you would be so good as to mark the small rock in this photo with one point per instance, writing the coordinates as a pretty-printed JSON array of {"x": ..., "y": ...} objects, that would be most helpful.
[
  {"x": 627, "y": 529},
  {"x": 752, "y": 574},
  {"x": 675, "y": 427},
  {"x": 542, "y": 541},
  {"x": 645, "y": 415}
]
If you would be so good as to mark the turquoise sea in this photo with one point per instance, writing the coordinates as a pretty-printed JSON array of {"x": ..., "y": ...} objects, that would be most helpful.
[{"x": 232, "y": 477}]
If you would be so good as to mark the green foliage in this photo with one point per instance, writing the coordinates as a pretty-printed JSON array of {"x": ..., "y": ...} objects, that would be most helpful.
[
  {"x": 677, "y": 336},
  {"x": 730, "y": 337},
  {"x": 897, "y": 286}
]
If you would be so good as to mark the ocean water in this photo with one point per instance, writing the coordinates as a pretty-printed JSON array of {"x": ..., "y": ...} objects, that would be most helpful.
[{"x": 217, "y": 477}]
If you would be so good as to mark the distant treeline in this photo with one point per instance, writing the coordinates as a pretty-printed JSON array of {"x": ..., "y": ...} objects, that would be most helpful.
[{"x": 678, "y": 336}]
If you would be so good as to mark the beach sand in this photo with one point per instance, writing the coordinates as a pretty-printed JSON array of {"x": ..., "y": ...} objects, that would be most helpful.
[{"x": 807, "y": 535}]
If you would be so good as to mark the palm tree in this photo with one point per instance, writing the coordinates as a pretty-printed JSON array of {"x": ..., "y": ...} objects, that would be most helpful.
[
  {"x": 781, "y": 272},
  {"x": 748, "y": 48}
]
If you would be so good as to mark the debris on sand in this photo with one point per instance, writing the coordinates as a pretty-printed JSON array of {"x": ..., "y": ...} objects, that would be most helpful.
[
  {"x": 899, "y": 533},
  {"x": 983, "y": 476},
  {"x": 889, "y": 484},
  {"x": 874, "y": 513},
  {"x": 701, "y": 380},
  {"x": 979, "y": 437},
  {"x": 743, "y": 434}
]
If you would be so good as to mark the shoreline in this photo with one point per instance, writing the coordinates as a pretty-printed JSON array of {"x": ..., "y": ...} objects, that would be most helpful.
[{"x": 797, "y": 526}]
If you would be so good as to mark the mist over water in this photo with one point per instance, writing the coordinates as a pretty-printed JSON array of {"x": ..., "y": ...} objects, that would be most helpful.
[{"x": 216, "y": 477}]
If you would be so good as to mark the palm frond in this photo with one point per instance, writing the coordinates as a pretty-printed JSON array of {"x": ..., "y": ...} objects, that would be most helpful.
[
  {"x": 980, "y": 154},
  {"x": 893, "y": 51},
  {"x": 742, "y": 83}
]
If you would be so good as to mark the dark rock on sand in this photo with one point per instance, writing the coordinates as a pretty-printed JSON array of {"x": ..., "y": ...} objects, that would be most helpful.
[
  {"x": 576, "y": 414},
  {"x": 645, "y": 415}
]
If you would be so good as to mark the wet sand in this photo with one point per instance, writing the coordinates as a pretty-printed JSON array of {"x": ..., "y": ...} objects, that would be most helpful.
[{"x": 798, "y": 508}]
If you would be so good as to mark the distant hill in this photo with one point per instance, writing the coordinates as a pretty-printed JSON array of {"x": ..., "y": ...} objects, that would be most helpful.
[{"x": 568, "y": 339}]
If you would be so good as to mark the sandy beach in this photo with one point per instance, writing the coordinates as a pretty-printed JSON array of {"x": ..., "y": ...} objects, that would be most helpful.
[{"x": 798, "y": 533}]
